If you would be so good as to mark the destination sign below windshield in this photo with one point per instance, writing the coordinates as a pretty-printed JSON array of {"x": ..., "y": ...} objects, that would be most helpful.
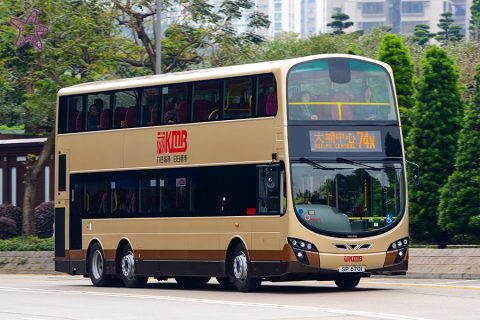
[{"x": 345, "y": 141}]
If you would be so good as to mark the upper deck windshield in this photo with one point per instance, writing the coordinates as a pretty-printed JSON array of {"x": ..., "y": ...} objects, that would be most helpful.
[
  {"x": 348, "y": 198},
  {"x": 340, "y": 89}
]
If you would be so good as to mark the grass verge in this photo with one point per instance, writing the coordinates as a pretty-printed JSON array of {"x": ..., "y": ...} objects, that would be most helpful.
[{"x": 28, "y": 244}]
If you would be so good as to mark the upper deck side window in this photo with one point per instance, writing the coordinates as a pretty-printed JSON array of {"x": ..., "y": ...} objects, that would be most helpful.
[
  {"x": 217, "y": 99},
  {"x": 340, "y": 89}
]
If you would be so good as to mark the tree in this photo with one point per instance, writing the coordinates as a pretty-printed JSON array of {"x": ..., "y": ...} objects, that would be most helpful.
[
  {"x": 78, "y": 48},
  {"x": 422, "y": 34},
  {"x": 475, "y": 20},
  {"x": 393, "y": 52},
  {"x": 460, "y": 196},
  {"x": 196, "y": 31},
  {"x": 433, "y": 141},
  {"x": 451, "y": 32},
  {"x": 338, "y": 24}
]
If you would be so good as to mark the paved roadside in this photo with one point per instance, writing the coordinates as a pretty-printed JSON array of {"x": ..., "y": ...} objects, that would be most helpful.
[{"x": 423, "y": 263}]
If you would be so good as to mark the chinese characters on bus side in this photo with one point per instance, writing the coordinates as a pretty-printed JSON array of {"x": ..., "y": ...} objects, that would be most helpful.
[{"x": 346, "y": 141}]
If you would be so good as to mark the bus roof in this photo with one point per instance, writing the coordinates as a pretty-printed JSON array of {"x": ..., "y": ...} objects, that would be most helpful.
[{"x": 196, "y": 75}]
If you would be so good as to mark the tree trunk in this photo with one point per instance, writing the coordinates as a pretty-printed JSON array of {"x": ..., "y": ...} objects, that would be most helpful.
[{"x": 34, "y": 169}]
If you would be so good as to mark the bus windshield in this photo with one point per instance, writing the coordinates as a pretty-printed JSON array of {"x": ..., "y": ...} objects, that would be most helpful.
[
  {"x": 345, "y": 197},
  {"x": 340, "y": 89}
]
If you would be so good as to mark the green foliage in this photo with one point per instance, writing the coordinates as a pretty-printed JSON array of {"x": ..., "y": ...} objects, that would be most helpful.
[
  {"x": 475, "y": 20},
  {"x": 393, "y": 52},
  {"x": 460, "y": 197},
  {"x": 28, "y": 244},
  {"x": 338, "y": 24},
  {"x": 433, "y": 140},
  {"x": 451, "y": 32},
  {"x": 422, "y": 34},
  {"x": 44, "y": 219}
]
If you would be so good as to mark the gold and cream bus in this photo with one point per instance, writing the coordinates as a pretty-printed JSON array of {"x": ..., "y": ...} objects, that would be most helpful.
[{"x": 275, "y": 171}]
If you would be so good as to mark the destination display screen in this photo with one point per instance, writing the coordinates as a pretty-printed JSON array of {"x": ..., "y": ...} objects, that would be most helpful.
[{"x": 345, "y": 141}]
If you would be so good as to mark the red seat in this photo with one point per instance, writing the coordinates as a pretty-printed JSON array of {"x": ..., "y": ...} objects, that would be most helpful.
[
  {"x": 261, "y": 104},
  {"x": 104, "y": 119},
  {"x": 72, "y": 120},
  {"x": 154, "y": 115},
  {"x": 119, "y": 117},
  {"x": 346, "y": 112},
  {"x": 271, "y": 107},
  {"x": 131, "y": 117},
  {"x": 182, "y": 112},
  {"x": 79, "y": 122}
]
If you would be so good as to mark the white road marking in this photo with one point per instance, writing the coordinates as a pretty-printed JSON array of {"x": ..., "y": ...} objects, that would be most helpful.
[{"x": 220, "y": 302}]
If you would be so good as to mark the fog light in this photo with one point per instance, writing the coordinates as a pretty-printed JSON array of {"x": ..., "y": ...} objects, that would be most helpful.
[
  {"x": 400, "y": 253},
  {"x": 300, "y": 254}
]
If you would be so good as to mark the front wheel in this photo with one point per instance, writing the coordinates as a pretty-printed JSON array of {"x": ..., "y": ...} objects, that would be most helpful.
[
  {"x": 97, "y": 269},
  {"x": 129, "y": 277},
  {"x": 349, "y": 282},
  {"x": 242, "y": 271}
]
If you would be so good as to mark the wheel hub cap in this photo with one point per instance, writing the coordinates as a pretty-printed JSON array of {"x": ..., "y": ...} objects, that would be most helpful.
[
  {"x": 240, "y": 266},
  {"x": 128, "y": 265}
]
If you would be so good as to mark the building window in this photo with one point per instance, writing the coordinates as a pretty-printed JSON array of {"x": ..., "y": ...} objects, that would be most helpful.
[
  {"x": 337, "y": 10},
  {"x": 458, "y": 10},
  {"x": 277, "y": 16},
  {"x": 278, "y": 26},
  {"x": 408, "y": 26},
  {"x": 277, "y": 6},
  {"x": 412, "y": 7},
  {"x": 367, "y": 26},
  {"x": 373, "y": 8}
]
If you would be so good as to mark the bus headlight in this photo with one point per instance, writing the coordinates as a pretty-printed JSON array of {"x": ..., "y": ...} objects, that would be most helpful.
[
  {"x": 401, "y": 246},
  {"x": 300, "y": 248}
]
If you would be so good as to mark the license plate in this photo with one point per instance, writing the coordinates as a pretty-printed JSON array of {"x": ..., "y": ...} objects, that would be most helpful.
[{"x": 351, "y": 269}]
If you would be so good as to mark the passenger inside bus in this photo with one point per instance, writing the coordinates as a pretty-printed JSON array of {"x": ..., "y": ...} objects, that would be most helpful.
[
  {"x": 94, "y": 118},
  {"x": 366, "y": 112},
  {"x": 302, "y": 111},
  {"x": 171, "y": 115}
]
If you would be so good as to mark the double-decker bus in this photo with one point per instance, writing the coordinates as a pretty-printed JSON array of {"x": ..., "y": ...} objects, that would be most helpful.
[{"x": 274, "y": 171}]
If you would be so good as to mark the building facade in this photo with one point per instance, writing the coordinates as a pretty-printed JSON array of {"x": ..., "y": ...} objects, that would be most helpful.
[
  {"x": 401, "y": 15},
  {"x": 13, "y": 156}
]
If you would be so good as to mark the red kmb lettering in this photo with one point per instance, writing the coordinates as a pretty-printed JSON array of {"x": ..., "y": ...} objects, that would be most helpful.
[
  {"x": 352, "y": 259},
  {"x": 172, "y": 141}
]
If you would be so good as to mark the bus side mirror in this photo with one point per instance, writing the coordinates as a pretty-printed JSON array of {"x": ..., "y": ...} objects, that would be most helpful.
[{"x": 416, "y": 176}]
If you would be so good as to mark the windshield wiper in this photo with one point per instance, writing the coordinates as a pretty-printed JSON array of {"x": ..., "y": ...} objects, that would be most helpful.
[
  {"x": 313, "y": 163},
  {"x": 318, "y": 166},
  {"x": 358, "y": 164}
]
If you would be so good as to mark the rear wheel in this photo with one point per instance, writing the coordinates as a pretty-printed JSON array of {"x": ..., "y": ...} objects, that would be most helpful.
[
  {"x": 349, "y": 282},
  {"x": 129, "y": 277},
  {"x": 242, "y": 271},
  {"x": 97, "y": 269}
]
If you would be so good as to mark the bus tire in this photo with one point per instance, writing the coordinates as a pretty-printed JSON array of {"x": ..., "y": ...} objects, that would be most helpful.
[
  {"x": 97, "y": 268},
  {"x": 127, "y": 270},
  {"x": 241, "y": 269},
  {"x": 187, "y": 281},
  {"x": 349, "y": 282},
  {"x": 225, "y": 281}
]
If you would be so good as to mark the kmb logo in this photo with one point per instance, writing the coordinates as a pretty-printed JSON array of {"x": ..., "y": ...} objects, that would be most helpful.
[
  {"x": 171, "y": 141},
  {"x": 352, "y": 259}
]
